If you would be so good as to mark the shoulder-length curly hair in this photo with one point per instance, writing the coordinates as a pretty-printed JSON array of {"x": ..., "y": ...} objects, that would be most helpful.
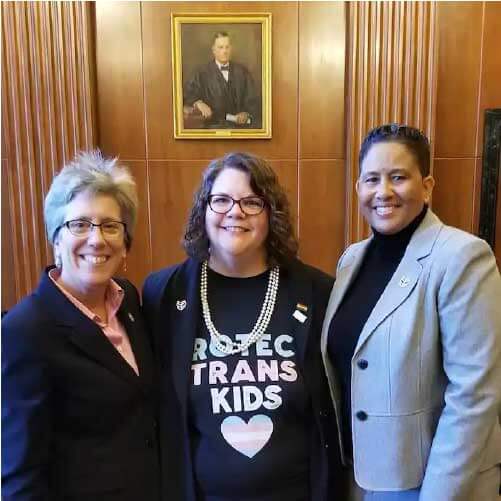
[{"x": 281, "y": 243}]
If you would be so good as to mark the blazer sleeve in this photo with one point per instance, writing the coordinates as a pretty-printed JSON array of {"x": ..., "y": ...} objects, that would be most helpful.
[
  {"x": 26, "y": 409},
  {"x": 194, "y": 87},
  {"x": 470, "y": 328}
]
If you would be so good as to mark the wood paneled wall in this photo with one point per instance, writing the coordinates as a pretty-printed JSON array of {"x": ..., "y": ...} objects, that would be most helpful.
[
  {"x": 338, "y": 69},
  {"x": 48, "y": 104},
  {"x": 391, "y": 78},
  {"x": 134, "y": 82},
  {"x": 469, "y": 76}
]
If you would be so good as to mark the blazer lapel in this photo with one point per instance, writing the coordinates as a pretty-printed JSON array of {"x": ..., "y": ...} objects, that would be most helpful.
[
  {"x": 396, "y": 292},
  {"x": 405, "y": 277},
  {"x": 344, "y": 278},
  {"x": 300, "y": 293},
  {"x": 91, "y": 339},
  {"x": 82, "y": 331},
  {"x": 138, "y": 337},
  {"x": 185, "y": 308}
]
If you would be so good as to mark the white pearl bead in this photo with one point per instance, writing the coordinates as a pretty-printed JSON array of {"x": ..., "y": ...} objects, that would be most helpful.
[{"x": 261, "y": 324}]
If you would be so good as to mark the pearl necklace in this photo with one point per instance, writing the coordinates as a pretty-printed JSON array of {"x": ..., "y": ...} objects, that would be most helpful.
[{"x": 231, "y": 347}]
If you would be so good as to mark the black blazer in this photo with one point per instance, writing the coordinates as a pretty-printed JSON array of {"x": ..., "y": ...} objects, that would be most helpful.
[
  {"x": 174, "y": 331},
  {"x": 77, "y": 422}
]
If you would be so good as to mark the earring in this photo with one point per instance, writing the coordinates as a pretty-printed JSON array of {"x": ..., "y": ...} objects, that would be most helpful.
[
  {"x": 57, "y": 261},
  {"x": 125, "y": 265}
]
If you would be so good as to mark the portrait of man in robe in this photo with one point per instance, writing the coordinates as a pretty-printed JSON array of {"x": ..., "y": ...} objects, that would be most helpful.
[
  {"x": 219, "y": 69},
  {"x": 222, "y": 92}
]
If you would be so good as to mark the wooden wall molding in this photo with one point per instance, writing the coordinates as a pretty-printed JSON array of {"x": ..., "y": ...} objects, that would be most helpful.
[
  {"x": 391, "y": 77},
  {"x": 47, "y": 115}
]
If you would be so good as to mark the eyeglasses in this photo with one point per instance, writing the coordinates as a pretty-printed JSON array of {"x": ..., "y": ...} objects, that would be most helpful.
[
  {"x": 83, "y": 228},
  {"x": 222, "y": 204}
]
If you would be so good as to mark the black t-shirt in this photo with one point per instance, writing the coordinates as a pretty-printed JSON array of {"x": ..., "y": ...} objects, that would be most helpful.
[{"x": 249, "y": 412}]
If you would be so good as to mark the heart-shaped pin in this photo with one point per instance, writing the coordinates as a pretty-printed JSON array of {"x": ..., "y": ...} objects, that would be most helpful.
[
  {"x": 247, "y": 438},
  {"x": 181, "y": 305}
]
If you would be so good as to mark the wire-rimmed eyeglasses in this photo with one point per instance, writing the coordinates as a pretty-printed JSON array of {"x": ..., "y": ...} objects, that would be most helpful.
[
  {"x": 222, "y": 204},
  {"x": 83, "y": 228}
]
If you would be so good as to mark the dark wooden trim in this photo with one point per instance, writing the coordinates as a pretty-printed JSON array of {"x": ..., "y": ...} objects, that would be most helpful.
[{"x": 490, "y": 175}]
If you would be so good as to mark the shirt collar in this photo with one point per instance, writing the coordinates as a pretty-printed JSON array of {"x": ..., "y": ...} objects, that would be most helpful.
[
  {"x": 220, "y": 64},
  {"x": 113, "y": 298}
]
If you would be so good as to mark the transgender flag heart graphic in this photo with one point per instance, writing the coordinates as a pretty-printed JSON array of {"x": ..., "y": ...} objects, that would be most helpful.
[{"x": 247, "y": 438}]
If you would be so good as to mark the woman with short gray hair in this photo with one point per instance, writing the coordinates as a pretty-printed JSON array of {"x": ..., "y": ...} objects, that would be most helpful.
[
  {"x": 91, "y": 172},
  {"x": 79, "y": 414}
]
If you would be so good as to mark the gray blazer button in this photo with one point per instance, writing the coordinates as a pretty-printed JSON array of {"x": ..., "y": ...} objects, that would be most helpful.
[
  {"x": 361, "y": 416},
  {"x": 362, "y": 363}
]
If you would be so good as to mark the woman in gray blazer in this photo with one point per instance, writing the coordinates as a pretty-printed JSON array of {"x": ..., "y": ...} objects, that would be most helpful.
[{"x": 411, "y": 341}]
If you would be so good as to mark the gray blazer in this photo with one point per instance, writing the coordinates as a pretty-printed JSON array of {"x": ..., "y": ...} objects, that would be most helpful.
[{"x": 431, "y": 391}]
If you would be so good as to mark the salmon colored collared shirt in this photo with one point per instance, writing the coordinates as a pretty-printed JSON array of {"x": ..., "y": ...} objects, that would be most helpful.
[{"x": 113, "y": 330}]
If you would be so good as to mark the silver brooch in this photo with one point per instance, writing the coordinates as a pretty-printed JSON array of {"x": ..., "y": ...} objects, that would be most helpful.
[
  {"x": 181, "y": 305},
  {"x": 404, "y": 281}
]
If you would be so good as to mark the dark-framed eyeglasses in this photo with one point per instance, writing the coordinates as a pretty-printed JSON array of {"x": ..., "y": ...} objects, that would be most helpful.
[
  {"x": 83, "y": 228},
  {"x": 222, "y": 204}
]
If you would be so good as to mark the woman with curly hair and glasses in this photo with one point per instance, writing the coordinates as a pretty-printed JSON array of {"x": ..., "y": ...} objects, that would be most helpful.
[
  {"x": 247, "y": 413},
  {"x": 78, "y": 399},
  {"x": 412, "y": 339}
]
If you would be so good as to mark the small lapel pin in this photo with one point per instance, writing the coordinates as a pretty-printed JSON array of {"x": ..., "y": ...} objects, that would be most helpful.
[
  {"x": 404, "y": 281},
  {"x": 301, "y": 317},
  {"x": 302, "y": 307},
  {"x": 131, "y": 316},
  {"x": 181, "y": 305}
]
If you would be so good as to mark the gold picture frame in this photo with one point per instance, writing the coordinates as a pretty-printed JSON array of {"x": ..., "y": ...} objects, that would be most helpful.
[{"x": 221, "y": 67}]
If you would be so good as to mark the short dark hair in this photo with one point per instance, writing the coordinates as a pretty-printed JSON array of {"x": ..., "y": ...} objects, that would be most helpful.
[
  {"x": 220, "y": 34},
  {"x": 415, "y": 141},
  {"x": 281, "y": 243}
]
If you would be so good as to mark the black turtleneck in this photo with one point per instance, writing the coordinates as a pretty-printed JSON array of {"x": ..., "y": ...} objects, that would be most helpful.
[{"x": 381, "y": 259}]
